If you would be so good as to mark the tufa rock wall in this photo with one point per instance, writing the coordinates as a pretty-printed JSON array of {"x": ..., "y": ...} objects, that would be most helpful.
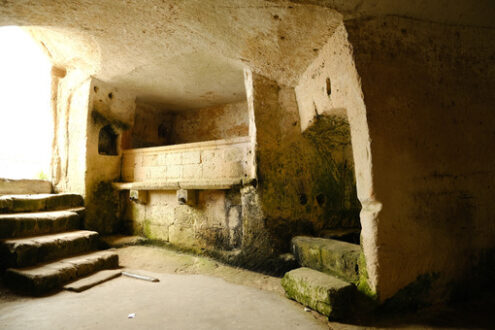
[{"x": 428, "y": 90}]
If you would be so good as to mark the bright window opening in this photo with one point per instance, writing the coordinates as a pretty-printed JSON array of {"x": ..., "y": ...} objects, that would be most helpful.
[{"x": 26, "y": 124}]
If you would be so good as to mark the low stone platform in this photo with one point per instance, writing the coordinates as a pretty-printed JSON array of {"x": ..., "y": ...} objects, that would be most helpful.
[
  {"x": 47, "y": 277},
  {"x": 327, "y": 255},
  {"x": 322, "y": 292}
]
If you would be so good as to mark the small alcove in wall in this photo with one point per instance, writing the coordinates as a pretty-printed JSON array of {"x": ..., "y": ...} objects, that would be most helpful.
[{"x": 107, "y": 141}]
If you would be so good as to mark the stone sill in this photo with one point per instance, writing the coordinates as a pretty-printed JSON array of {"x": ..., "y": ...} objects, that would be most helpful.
[{"x": 168, "y": 185}]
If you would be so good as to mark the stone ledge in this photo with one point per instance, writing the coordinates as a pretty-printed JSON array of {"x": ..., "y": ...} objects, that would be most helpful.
[{"x": 177, "y": 185}]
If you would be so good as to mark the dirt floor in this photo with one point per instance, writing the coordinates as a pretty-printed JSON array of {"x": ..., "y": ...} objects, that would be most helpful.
[
  {"x": 193, "y": 293},
  {"x": 197, "y": 292}
]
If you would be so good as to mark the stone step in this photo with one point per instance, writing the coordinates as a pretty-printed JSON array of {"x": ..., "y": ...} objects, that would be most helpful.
[
  {"x": 29, "y": 251},
  {"x": 321, "y": 292},
  {"x": 39, "y": 223},
  {"x": 39, "y": 202},
  {"x": 51, "y": 276},
  {"x": 327, "y": 255},
  {"x": 93, "y": 280},
  {"x": 25, "y": 186}
]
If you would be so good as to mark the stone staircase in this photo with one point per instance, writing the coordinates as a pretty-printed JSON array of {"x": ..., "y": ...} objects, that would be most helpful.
[
  {"x": 42, "y": 246},
  {"x": 326, "y": 281}
]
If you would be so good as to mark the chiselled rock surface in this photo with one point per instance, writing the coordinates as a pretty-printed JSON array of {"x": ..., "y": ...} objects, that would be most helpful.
[
  {"x": 23, "y": 252},
  {"x": 322, "y": 292},
  {"x": 44, "y": 278},
  {"x": 39, "y": 202},
  {"x": 37, "y": 223},
  {"x": 327, "y": 255}
]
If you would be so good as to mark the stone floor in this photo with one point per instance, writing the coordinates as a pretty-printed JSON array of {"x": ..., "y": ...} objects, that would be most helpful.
[{"x": 194, "y": 293}]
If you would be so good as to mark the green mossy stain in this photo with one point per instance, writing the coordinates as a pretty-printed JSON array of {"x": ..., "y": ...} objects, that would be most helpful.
[
  {"x": 363, "y": 282},
  {"x": 306, "y": 181},
  {"x": 147, "y": 232}
]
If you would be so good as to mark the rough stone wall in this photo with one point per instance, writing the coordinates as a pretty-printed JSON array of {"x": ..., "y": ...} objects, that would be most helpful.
[
  {"x": 152, "y": 127},
  {"x": 216, "y": 123},
  {"x": 213, "y": 223},
  {"x": 305, "y": 182},
  {"x": 114, "y": 108},
  {"x": 428, "y": 90}
]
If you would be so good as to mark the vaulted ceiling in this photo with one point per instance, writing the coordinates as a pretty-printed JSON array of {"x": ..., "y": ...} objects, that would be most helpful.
[{"x": 191, "y": 53}]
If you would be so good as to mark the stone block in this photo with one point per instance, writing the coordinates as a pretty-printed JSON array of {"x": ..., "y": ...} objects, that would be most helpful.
[
  {"x": 327, "y": 255},
  {"x": 182, "y": 236},
  {"x": 174, "y": 158},
  {"x": 156, "y": 232},
  {"x": 233, "y": 154},
  {"x": 191, "y": 157},
  {"x": 212, "y": 171},
  {"x": 212, "y": 156},
  {"x": 192, "y": 171},
  {"x": 185, "y": 216},
  {"x": 233, "y": 170},
  {"x": 174, "y": 171},
  {"x": 322, "y": 292}
]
